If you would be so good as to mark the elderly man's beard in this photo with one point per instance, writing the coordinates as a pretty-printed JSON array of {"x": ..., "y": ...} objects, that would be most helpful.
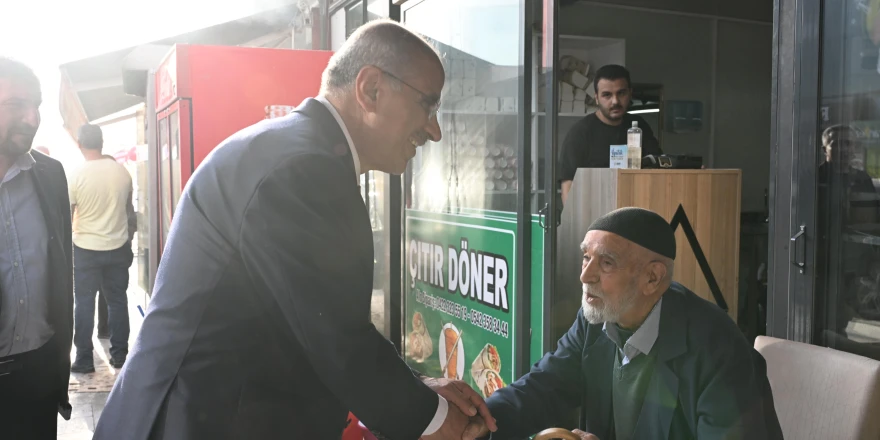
[{"x": 608, "y": 311}]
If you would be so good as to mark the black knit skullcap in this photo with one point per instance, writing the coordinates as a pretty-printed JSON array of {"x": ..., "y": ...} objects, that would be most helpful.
[{"x": 640, "y": 226}]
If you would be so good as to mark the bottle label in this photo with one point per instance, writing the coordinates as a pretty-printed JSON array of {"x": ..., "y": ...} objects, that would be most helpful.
[
  {"x": 634, "y": 139},
  {"x": 619, "y": 156}
]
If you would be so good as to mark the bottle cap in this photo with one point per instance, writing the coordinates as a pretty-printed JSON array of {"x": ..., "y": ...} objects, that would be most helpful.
[{"x": 635, "y": 123}]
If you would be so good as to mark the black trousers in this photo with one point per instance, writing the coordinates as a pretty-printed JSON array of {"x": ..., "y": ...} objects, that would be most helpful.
[
  {"x": 28, "y": 394},
  {"x": 103, "y": 329}
]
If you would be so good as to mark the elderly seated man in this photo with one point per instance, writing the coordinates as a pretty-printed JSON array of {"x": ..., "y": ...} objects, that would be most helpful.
[{"x": 646, "y": 358}]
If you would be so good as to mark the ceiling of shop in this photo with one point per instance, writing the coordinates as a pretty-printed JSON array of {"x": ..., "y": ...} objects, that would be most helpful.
[{"x": 97, "y": 82}]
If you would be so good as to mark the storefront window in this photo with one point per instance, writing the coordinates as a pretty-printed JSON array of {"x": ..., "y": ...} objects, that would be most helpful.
[
  {"x": 848, "y": 236},
  {"x": 373, "y": 184},
  {"x": 142, "y": 205},
  {"x": 165, "y": 181},
  {"x": 175, "y": 159},
  {"x": 345, "y": 21},
  {"x": 375, "y": 194},
  {"x": 473, "y": 169},
  {"x": 354, "y": 17},
  {"x": 337, "y": 30},
  {"x": 461, "y": 199},
  {"x": 376, "y": 200},
  {"x": 377, "y": 9}
]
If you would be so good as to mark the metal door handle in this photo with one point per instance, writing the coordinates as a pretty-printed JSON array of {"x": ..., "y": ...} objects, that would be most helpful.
[{"x": 801, "y": 263}]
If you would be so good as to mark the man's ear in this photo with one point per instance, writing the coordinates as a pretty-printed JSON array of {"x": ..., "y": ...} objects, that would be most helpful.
[
  {"x": 655, "y": 273},
  {"x": 367, "y": 88}
]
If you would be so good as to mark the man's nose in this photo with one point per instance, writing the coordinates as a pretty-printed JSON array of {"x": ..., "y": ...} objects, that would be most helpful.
[
  {"x": 31, "y": 118},
  {"x": 433, "y": 129},
  {"x": 588, "y": 274}
]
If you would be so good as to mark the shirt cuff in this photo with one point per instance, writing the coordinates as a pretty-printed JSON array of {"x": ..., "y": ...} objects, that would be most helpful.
[{"x": 439, "y": 417}]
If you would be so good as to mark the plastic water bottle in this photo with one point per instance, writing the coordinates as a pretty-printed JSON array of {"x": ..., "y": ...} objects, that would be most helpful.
[{"x": 634, "y": 146}]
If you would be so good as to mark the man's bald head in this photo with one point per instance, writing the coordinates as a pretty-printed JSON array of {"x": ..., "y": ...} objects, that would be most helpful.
[{"x": 382, "y": 43}]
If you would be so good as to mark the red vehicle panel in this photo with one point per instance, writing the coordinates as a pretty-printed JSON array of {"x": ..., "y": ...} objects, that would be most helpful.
[{"x": 204, "y": 94}]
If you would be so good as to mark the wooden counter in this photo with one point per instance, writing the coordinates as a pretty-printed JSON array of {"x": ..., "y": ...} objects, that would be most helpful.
[{"x": 711, "y": 200}]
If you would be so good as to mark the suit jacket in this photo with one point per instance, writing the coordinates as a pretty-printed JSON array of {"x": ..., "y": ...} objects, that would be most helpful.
[
  {"x": 51, "y": 185},
  {"x": 259, "y": 324},
  {"x": 708, "y": 382}
]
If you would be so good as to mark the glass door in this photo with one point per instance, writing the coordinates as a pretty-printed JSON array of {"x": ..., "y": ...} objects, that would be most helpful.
[
  {"x": 825, "y": 209},
  {"x": 174, "y": 158},
  {"x": 847, "y": 278},
  {"x": 473, "y": 244},
  {"x": 174, "y": 140},
  {"x": 165, "y": 180},
  {"x": 375, "y": 186},
  {"x": 344, "y": 20}
]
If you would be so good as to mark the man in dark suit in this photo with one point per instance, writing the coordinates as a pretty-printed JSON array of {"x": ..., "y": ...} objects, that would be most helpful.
[
  {"x": 646, "y": 358},
  {"x": 36, "y": 269},
  {"x": 259, "y": 324}
]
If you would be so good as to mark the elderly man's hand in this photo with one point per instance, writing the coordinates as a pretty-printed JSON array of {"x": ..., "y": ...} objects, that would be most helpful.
[
  {"x": 456, "y": 426},
  {"x": 464, "y": 397},
  {"x": 585, "y": 435},
  {"x": 477, "y": 428}
]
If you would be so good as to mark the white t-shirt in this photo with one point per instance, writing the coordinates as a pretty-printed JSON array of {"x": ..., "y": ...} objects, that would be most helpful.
[{"x": 101, "y": 192}]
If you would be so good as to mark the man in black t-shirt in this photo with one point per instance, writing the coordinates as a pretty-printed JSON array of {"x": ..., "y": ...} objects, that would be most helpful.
[{"x": 588, "y": 143}]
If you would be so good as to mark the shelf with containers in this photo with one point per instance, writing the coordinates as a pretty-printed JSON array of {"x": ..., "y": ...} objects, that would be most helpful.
[{"x": 478, "y": 119}]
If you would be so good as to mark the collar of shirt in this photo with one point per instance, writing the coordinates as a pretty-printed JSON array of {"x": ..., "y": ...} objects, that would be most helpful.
[
  {"x": 642, "y": 341},
  {"x": 22, "y": 163},
  {"x": 354, "y": 153}
]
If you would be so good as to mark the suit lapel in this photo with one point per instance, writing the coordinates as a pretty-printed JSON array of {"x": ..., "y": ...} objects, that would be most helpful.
[
  {"x": 597, "y": 366},
  {"x": 661, "y": 398},
  {"x": 51, "y": 192},
  {"x": 333, "y": 137},
  {"x": 48, "y": 205},
  {"x": 56, "y": 252},
  {"x": 330, "y": 131}
]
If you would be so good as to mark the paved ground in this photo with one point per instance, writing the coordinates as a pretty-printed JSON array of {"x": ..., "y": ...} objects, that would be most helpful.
[
  {"x": 88, "y": 392},
  {"x": 87, "y": 409}
]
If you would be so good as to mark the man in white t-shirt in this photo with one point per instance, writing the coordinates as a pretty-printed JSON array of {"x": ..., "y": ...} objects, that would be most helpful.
[{"x": 101, "y": 202}]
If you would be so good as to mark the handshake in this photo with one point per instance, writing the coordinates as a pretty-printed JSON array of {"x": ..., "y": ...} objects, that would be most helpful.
[{"x": 468, "y": 417}]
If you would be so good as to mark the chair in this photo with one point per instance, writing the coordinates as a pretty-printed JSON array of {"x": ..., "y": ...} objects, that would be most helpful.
[{"x": 821, "y": 393}]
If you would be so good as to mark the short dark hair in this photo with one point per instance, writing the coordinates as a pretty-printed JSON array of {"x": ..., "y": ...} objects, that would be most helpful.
[
  {"x": 91, "y": 137},
  {"x": 13, "y": 69},
  {"x": 838, "y": 132},
  {"x": 611, "y": 72}
]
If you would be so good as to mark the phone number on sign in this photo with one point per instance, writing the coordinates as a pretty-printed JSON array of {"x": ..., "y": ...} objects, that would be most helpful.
[{"x": 489, "y": 323}]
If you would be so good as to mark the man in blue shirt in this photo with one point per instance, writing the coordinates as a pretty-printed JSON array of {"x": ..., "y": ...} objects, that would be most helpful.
[{"x": 36, "y": 285}]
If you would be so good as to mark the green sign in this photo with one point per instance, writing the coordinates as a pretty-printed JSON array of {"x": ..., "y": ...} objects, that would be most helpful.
[{"x": 461, "y": 296}]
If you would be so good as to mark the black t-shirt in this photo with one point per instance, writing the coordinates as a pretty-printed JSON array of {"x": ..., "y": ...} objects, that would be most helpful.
[{"x": 588, "y": 143}]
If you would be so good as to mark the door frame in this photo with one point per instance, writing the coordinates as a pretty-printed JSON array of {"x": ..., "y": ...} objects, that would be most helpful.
[
  {"x": 525, "y": 183},
  {"x": 183, "y": 109},
  {"x": 797, "y": 40}
]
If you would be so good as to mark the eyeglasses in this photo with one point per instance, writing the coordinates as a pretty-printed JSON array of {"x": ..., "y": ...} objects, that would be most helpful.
[{"x": 430, "y": 104}]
